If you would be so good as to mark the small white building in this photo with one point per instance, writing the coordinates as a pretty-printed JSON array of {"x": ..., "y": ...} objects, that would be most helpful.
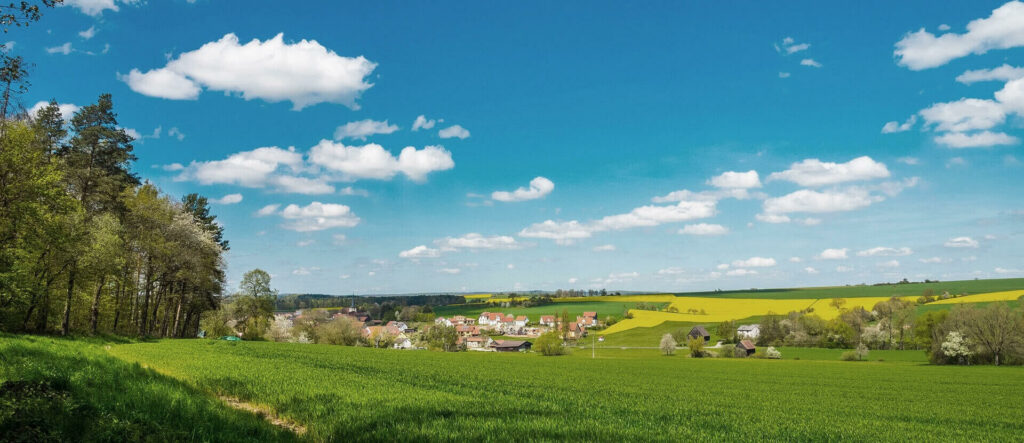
[
  {"x": 748, "y": 331},
  {"x": 403, "y": 342},
  {"x": 442, "y": 321},
  {"x": 521, "y": 321}
]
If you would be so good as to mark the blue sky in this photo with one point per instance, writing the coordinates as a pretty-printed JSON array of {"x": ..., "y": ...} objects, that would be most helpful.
[{"x": 630, "y": 135}]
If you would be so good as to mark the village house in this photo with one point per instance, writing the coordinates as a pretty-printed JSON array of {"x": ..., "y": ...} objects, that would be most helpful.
[
  {"x": 749, "y": 331},
  {"x": 548, "y": 320},
  {"x": 576, "y": 331},
  {"x": 441, "y": 321},
  {"x": 403, "y": 342},
  {"x": 478, "y": 343},
  {"x": 590, "y": 319},
  {"x": 699, "y": 332},
  {"x": 467, "y": 331},
  {"x": 521, "y": 321},
  {"x": 490, "y": 319}
]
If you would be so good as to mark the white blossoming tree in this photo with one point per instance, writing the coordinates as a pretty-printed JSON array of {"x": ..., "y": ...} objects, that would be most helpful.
[{"x": 957, "y": 347}]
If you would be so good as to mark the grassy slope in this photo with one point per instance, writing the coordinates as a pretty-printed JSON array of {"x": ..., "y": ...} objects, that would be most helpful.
[
  {"x": 68, "y": 390},
  {"x": 357, "y": 393},
  {"x": 912, "y": 289}
]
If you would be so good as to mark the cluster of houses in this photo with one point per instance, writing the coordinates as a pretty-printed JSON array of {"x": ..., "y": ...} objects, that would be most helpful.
[{"x": 471, "y": 330}]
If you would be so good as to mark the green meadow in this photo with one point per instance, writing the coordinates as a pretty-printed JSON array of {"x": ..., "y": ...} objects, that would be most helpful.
[{"x": 171, "y": 390}]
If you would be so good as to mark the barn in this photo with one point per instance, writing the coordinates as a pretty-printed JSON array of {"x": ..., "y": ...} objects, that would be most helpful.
[
  {"x": 511, "y": 345},
  {"x": 747, "y": 346},
  {"x": 699, "y": 332}
]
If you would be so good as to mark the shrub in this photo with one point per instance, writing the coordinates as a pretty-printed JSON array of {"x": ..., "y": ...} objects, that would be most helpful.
[
  {"x": 772, "y": 353},
  {"x": 729, "y": 351},
  {"x": 696, "y": 345},
  {"x": 342, "y": 331},
  {"x": 550, "y": 343}
]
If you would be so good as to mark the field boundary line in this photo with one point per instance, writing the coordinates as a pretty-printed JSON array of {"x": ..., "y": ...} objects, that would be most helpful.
[{"x": 265, "y": 413}]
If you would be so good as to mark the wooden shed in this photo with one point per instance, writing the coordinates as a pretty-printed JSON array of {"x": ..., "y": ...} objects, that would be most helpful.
[
  {"x": 747, "y": 346},
  {"x": 699, "y": 332}
]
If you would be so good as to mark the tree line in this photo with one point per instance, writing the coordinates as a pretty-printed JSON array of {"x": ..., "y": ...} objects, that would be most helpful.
[{"x": 85, "y": 246}]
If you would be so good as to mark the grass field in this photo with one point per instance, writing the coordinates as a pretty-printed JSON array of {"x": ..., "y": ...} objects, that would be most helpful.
[
  {"x": 344, "y": 393},
  {"x": 67, "y": 390}
]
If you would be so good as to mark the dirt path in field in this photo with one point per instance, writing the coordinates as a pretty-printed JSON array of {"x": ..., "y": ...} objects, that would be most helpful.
[{"x": 267, "y": 414}]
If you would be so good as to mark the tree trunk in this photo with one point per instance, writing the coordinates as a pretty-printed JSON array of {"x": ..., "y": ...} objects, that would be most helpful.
[
  {"x": 156, "y": 307},
  {"x": 65, "y": 326},
  {"x": 177, "y": 311},
  {"x": 94, "y": 316},
  {"x": 117, "y": 305},
  {"x": 143, "y": 313}
]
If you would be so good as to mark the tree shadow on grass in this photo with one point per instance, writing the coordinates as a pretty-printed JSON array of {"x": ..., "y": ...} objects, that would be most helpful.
[{"x": 62, "y": 390}]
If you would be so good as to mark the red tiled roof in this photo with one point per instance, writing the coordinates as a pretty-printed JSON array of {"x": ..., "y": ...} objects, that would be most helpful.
[
  {"x": 521, "y": 317},
  {"x": 590, "y": 314}
]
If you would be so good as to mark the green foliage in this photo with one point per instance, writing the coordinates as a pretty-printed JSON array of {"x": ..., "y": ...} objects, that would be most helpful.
[
  {"x": 84, "y": 247},
  {"x": 859, "y": 354},
  {"x": 696, "y": 347},
  {"x": 442, "y": 338},
  {"x": 727, "y": 330},
  {"x": 550, "y": 343}
]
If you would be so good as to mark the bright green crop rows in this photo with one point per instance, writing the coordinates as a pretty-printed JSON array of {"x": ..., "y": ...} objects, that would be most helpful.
[{"x": 343, "y": 393}]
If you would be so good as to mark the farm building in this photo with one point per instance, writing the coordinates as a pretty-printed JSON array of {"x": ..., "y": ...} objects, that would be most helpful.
[
  {"x": 746, "y": 346},
  {"x": 511, "y": 345},
  {"x": 699, "y": 332},
  {"x": 477, "y": 343},
  {"x": 748, "y": 331},
  {"x": 403, "y": 342}
]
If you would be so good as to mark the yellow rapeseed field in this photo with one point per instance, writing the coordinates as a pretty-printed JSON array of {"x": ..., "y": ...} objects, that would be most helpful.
[
  {"x": 988, "y": 296},
  {"x": 476, "y": 296},
  {"x": 714, "y": 310}
]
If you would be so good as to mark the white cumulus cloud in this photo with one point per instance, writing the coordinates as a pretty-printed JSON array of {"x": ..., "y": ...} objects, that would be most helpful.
[
  {"x": 421, "y": 251},
  {"x": 1001, "y": 73},
  {"x": 736, "y": 180},
  {"x": 422, "y": 122},
  {"x": 755, "y": 262},
  {"x": 833, "y": 254},
  {"x": 317, "y": 216},
  {"x": 304, "y": 73},
  {"x": 884, "y": 251},
  {"x": 704, "y": 229},
  {"x": 1003, "y": 29},
  {"x": 983, "y": 139},
  {"x": 806, "y": 200},
  {"x": 454, "y": 131},
  {"x": 363, "y": 128},
  {"x": 895, "y": 126},
  {"x": 374, "y": 162},
  {"x": 229, "y": 199},
  {"x": 814, "y": 172},
  {"x": 539, "y": 188},
  {"x": 961, "y": 242}
]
